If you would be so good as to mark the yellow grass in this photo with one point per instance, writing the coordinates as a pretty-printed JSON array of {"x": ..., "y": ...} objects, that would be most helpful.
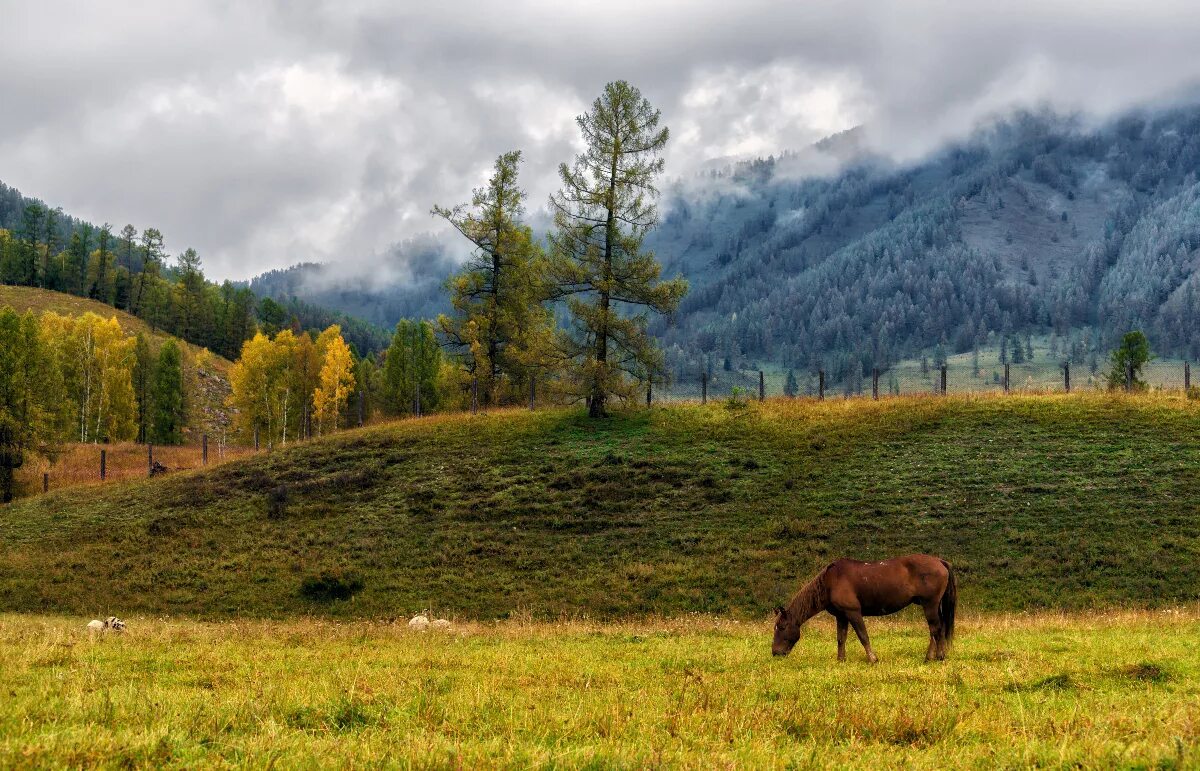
[
  {"x": 79, "y": 464},
  {"x": 1109, "y": 690}
]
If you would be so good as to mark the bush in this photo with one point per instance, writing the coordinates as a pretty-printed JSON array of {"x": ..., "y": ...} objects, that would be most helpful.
[
  {"x": 330, "y": 585},
  {"x": 277, "y": 501}
]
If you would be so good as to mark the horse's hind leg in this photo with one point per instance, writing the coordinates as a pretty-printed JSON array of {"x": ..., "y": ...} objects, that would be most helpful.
[
  {"x": 937, "y": 647},
  {"x": 860, "y": 629},
  {"x": 843, "y": 626}
]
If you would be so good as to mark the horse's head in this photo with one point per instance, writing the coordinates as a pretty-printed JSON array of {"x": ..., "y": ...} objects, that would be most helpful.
[{"x": 787, "y": 632}]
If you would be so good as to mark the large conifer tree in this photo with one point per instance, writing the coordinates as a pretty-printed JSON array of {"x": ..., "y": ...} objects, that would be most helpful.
[
  {"x": 499, "y": 321},
  {"x": 602, "y": 213}
]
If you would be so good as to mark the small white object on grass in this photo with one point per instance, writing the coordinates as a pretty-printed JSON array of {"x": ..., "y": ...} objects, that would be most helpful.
[
  {"x": 419, "y": 623},
  {"x": 110, "y": 624}
]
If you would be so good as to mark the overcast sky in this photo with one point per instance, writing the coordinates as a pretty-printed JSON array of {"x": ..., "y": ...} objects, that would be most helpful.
[{"x": 265, "y": 134}]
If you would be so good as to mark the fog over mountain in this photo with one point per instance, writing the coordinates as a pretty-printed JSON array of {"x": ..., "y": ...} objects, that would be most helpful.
[{"x": 270, "y": 134}]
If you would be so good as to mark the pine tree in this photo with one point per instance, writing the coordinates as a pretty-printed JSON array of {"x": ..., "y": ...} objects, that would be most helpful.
[
  {"x": 601, "y": 215},
  {"x": 167, "y": 404}
]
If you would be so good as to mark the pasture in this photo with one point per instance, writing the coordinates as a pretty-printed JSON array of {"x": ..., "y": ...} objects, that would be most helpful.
[
  {"x": 1100, "y": 690},
  {"x": 1068, "y": 501}
]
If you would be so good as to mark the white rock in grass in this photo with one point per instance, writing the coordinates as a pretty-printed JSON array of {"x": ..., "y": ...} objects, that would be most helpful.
[
  {"x": 419, "y": 623},
  {"x": 441, "y": 623}
]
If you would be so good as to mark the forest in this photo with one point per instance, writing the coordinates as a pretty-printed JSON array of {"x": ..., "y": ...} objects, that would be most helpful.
[{"x": 42, "y": 247}]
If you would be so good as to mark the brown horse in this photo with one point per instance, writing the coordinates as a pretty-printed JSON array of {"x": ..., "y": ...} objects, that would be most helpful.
[{"x": 849, "y": 590}]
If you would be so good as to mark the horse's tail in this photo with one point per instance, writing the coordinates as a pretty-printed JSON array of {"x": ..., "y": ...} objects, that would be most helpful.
[{"x": 949, "y": 603}]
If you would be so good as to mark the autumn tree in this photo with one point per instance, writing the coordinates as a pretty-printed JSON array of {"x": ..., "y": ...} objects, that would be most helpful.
[
  {"x": 499, "y": 319},
  {"x": 335, "y": 382},
  {"x": 601, "y": 215},
  {"x": 96, "y": 359},
  {"x": 259, "y": 381}
]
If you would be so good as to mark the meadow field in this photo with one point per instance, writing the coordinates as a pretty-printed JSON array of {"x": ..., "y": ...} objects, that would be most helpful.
[
  {"x": 1111, "y": 689},
  {"x": 1064, "y": 502}
]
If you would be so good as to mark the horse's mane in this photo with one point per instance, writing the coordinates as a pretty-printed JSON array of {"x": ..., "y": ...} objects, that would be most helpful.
[{"x": 812, "y": 597}]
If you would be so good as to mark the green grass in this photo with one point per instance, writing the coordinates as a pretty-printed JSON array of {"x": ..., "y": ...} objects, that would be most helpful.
[
  {"x": 1107, "y": 690},
  {"x": 1040, "y": 502}
]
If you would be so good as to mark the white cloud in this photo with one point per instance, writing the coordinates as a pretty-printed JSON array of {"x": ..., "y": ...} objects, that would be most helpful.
[{"x": 265, "y": 134}]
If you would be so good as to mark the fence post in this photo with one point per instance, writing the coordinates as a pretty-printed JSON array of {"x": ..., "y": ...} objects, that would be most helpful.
[
  {"x": 649, "y": 392},
  {"x": 362, "y": 407},
  {"x": 204, "y": 450},
  {"x": 1187, "y": 375},
  {"x": 943, "y": 380},
  {"x": 417, "y": 399},
  {"x": 149, "y": 459},
  {"x": 1067, "y": 376},
  {"x": 532, "y": 390},
  {"x": 1006, "y": 377},
  {"x": 875, "y": 383},
  {"x": 256, "y": 438},
  {"x": 103, "y": 463},
  {"x": 1128, "y": 376},
  {"x": 45, "y": 482},
  {"x": 821, "y": 385},
  {"x": 762, "y": 387},
  {"x": 704, "y": 388},
  {"x": 475, "y": 395}
]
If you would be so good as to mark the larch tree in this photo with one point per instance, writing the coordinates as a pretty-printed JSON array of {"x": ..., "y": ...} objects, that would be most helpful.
[
  {"x": 152, "y": 244},
  {"x": 602, "y": 214},
  {"x": 499, "y": 318}
]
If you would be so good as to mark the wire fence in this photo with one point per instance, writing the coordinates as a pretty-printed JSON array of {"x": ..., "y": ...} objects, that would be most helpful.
[{"x": 912, "y": 378}]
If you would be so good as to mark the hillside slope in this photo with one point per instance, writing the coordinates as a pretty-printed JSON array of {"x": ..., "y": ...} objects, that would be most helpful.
[
  {"x": 207, "y": 376},
  {"x": 1039, "y": 501}
]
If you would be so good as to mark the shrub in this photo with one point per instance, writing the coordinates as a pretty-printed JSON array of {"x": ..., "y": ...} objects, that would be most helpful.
[
  {"x": 330, "y": 585},
  {"x": 277, "y": 501}
]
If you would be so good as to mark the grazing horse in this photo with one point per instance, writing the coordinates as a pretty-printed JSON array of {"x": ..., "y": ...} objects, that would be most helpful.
[{"x": 849, "y": 590}]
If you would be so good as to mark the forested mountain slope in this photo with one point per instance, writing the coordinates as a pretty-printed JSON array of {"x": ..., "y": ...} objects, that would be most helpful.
[
  {"x": 1036, "y": 223},
  {"x": 205, "y": 375}
]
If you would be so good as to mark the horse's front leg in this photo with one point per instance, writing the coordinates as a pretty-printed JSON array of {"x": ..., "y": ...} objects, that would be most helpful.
[
  {"x": 843, "y": 626},
  {"x": 860, "y": 629}
]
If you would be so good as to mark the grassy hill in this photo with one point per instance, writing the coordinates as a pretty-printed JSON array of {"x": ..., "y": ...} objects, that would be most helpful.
[
  {"x": 1050, "y": 501},
  {"x": 208, "y": 383}
]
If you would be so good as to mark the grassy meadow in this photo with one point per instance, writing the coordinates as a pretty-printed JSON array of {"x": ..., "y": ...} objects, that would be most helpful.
[
  {"x": 1115, "y": 689},
  {"x": 1068, "y": 502}
]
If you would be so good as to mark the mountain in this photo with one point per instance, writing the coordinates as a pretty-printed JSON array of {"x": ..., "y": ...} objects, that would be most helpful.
[
  {"x": 836, "y": 258},
  {"x": 405, "y": 282},
  {"x": 1037, "y": 223}
]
